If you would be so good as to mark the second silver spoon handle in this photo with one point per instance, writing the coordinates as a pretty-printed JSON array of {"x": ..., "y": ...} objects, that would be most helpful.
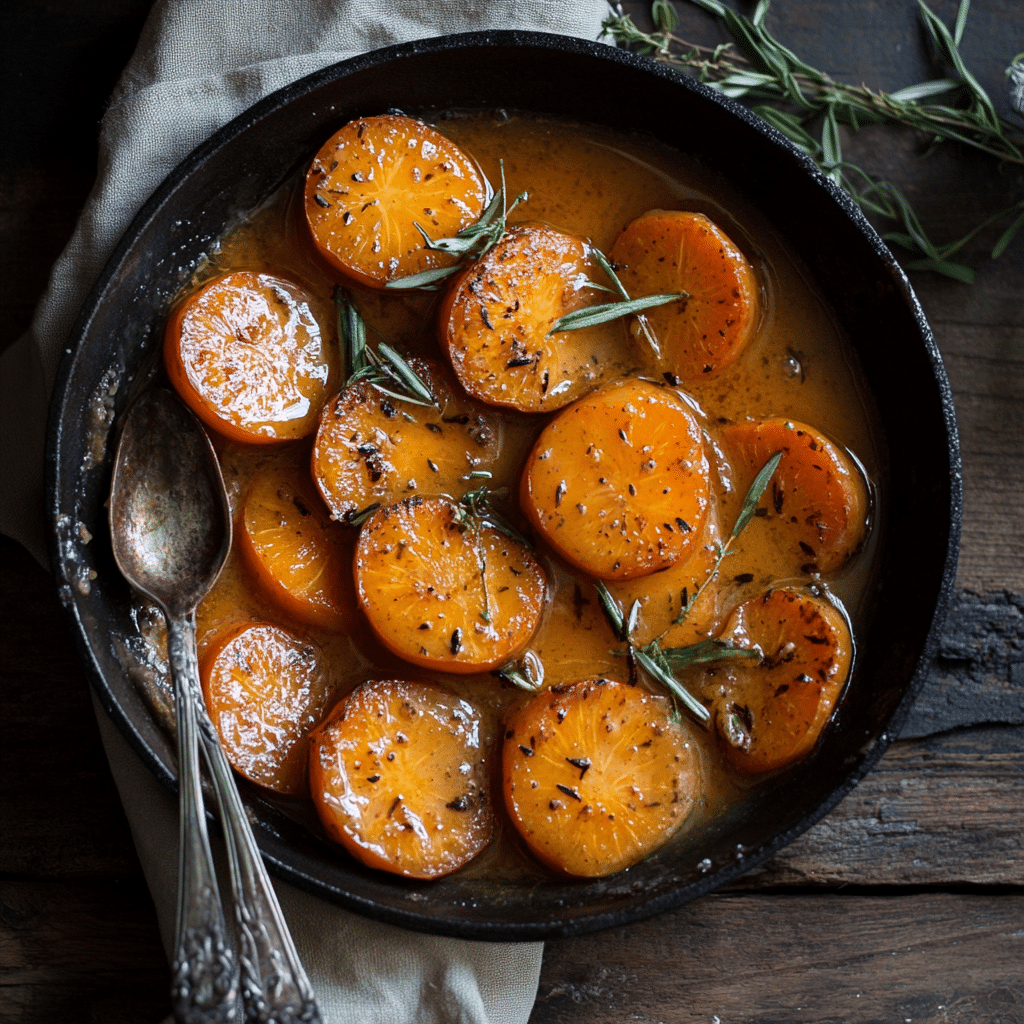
[
  {"x": 204, "y": 974},
  {"x": 275, "y": 989}
]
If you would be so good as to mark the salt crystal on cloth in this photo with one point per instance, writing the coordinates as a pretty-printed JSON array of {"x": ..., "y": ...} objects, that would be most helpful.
[{"x": 196, "y": 66}]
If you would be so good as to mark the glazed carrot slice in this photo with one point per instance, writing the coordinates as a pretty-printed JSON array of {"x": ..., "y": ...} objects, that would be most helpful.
[
  {"x": 672, "y": 251},
  {"x": 769, "y": 713},
  {"x": 399, "y": 777},
  {"x": 265, "y": 689},
  {"x": 497, "y": 318},
  {"x": 246, "y": 354},
  {"x": 299, "y": 559},
  {"x": 443, "y": 589},
  {"x": 817, "y": 504},
  {"x": 371, "y": 448},
  {"x": 597, "y": 775},
  {"x": 618, "y": 483},
  {"x": 370, "y": 185}
]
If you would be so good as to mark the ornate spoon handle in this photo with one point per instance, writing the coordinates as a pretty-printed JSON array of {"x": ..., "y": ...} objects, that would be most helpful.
[
  {"x": 204, "y": 985},
  {"x": 275, "y": 989}
]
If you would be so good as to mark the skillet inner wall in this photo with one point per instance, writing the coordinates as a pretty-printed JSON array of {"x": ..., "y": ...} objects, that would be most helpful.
[{"x": 561, "y": 77}]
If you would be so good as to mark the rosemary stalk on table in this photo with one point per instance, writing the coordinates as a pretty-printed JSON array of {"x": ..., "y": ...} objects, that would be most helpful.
[{"x": 808, "y": 107}]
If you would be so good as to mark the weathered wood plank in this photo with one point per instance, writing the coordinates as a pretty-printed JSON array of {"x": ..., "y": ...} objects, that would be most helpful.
[
  {"x": 80, "y": 951},
  {"x": 978, "y": 674},
  {"x": 930, "y": 959},
  {"x": 937, "y": 812}
]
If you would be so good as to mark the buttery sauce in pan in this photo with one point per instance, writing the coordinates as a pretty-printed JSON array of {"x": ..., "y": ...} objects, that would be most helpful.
[{"x": 591, "y": 183}]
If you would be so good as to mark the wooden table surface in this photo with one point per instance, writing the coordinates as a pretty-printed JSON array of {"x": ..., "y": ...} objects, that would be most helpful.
[{"x": 904, "y": 904}]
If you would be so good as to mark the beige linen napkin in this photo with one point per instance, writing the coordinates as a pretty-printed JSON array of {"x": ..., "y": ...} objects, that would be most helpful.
[{"x": 196, "y": 66}]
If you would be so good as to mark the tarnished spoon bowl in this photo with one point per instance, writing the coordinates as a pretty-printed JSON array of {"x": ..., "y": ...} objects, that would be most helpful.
[{"x": 170, "y": 528}]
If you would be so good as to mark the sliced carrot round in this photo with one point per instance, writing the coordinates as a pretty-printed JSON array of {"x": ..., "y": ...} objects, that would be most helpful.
[
  {"x": 769, "y": 711},
  {"x": 497, "y": 319},
  {"x": 371, "y": 448},
  {"x": 301, "y": 561},
  {"x": 399, "y": 778},
  {"x": 597, "y": 775},
  {"x": 816, "y": 507},
  {"x": 370, "y": 185},
  {"x": 246, "y": 354},
  {"x": 265, "y": 689},
  {"x": 444, "y": 590},
  {"x": 674, "y": 251},
  {"x": 618, "y": 482}
]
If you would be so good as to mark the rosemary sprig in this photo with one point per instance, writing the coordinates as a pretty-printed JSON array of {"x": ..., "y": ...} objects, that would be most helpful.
[
  {"x": 808, "y": 107},
  {"x": 589, "y": 316},
  {"x": 471, "y": 243},
  {"x": 527, "y": 673},
  {"x": 660, "y": 663},
  {"x": 384, "y": 369}
]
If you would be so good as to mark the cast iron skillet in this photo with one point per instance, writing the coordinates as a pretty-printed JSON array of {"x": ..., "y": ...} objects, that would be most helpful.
[{"x": 121, "y": 325}]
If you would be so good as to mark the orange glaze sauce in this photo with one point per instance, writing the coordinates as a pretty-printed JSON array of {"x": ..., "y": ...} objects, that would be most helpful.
[{"x": 589, "y": 182}]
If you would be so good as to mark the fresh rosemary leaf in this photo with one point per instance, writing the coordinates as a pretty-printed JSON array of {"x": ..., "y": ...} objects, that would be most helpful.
[
  {"x": 1006, "y": 237},
  {"x": 407, "y": 375},
  {"x": 669, "y": 681},
  {"x": 590, "y": 316},
  {"x": 481, "y": 503},
  {"x": 756, "y": 492},
  {"x": 351, "y": 332},
  {"x": 519, "y": 676},
  {"x": 705, "y": 652},
  {"x": 605, "y": 264},
  {"x": 913, "y": 93},
  {"x": 424, "y": 279},
  {"x": 612, "y": 611}
]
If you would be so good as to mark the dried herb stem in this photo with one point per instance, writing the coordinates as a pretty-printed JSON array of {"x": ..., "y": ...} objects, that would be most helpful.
[{"x": 756, "y": 67}]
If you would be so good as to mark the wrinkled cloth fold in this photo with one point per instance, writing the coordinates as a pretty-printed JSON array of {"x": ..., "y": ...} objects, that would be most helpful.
[{"x": 196, "y": 66}]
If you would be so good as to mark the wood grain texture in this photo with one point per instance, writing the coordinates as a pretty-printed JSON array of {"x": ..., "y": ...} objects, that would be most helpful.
[{"x": 929, "y": 959}]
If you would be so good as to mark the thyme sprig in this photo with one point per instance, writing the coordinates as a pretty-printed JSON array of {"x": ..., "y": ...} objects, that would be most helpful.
[
  {"x": 660, "y": 663},
  {"x": 471, "y": 243},
  {"x": 808, "y": 106},
  {"x": 384, "y": 369}
]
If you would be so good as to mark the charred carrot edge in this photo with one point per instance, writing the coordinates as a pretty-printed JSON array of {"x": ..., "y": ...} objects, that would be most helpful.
[
  {"x": 399, "y": 777},
  {"x": 597, "y": 776},
  {"x": 245, "y": 352}
]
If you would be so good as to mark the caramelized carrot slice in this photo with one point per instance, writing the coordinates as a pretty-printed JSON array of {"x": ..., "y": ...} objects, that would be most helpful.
[
  {"x": 373, "y": 182},
  {"x": 673, "y": 251},
  {"x": 597, "y": 775},
  {"x": 399, "y": 778},
  {"x": 265, "y": 689},
  {"x": 497, "y": 319},
  {"x": 618, "y": 482},
  {"x": 300, "y": 560},
  {"x": 817, "y": 504},
  {"x": 246, "y": 354},
  {"x": 371, "y": 448},
  {"x": 443, "y": 590},
  {"x": 769, "y": 713}
]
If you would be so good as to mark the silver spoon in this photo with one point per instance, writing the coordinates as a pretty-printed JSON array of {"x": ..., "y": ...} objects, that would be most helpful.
[{"x": 171, "y": 530}]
